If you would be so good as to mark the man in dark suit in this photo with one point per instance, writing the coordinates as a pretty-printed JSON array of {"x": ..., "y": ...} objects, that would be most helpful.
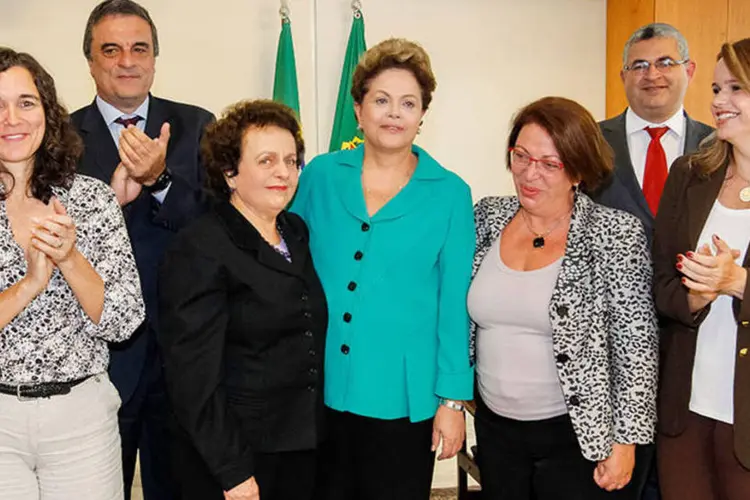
[
  {"x": 656, "y": 72},
  {"x": 147, "y": 149},
  {"x": 646, "y": 138}
]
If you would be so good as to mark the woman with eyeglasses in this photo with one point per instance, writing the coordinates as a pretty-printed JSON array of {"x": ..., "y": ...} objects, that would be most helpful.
[
  {"x": 565, "y": 328},
  {"x": 701, "y": 242}
]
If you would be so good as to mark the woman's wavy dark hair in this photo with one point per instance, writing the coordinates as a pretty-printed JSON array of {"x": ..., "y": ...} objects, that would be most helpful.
[
  {"x": 57, "y": 157},
  {"x": 221, "y": 146}
]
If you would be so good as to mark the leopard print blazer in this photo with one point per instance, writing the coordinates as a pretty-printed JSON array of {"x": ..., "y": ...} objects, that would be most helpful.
[{"x": 604, "y": 328}]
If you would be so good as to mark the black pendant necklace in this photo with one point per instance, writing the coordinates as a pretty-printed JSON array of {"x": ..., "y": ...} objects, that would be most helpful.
[{"x": 538, "y": 241}]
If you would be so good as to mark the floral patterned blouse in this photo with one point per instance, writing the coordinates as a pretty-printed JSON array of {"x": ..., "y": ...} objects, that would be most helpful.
[{"x": 52, "y": 339}]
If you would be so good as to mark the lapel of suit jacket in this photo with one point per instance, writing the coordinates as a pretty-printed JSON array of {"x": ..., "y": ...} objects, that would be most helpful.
[
  {"x": 494, "y": 214},
  {"x": 692, "y": 135},
  {"x": 245, "y": 236},
  {"x": 701, "y": 196},
  {"x": 100, "y": 146},
  {"x": 617, "y": 137},
  {"x": 160, "y": 112},
  {"x": 416, "y": 191},
  {"x": 349, "y": 182},
  {"x": 567, "y": 317}
]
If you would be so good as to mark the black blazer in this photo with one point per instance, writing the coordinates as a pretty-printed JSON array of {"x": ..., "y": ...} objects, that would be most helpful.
[
  {"x": 622, "y": 189},
  {"x": 242, "y": 333},
  {"x": 151, "y": 225}
]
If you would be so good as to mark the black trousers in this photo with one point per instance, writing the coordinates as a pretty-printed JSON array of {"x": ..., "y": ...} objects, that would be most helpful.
[
  {"x": 144, "y": 432},
  {"x": 541, "y": 460},
  {"x": 372, "y": 459},
  {"x": 286, "y": 475}
]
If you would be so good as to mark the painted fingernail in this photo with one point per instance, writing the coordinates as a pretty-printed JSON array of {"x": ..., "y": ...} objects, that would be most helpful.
[
  {"x": 683, "y": 280},
  {"x": 690, "y": 254},
  {"x": 678, "y": 265},
  {"x": 680, "y": 257}
]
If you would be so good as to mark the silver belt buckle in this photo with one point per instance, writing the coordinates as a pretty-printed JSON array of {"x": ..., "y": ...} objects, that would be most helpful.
[{"x": 19, "y": 396}]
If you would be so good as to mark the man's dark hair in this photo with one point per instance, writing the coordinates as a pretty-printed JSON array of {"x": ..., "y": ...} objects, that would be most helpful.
[{"x": 117, "y": 8}]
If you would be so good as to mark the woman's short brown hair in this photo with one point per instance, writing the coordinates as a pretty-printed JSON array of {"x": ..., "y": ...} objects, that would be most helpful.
[
  {"x": 57, "y": 157},
  {"x": 394, "y": 53},
  {"x": 221, "y": 146},
  {"x": 584, "y": 152}
]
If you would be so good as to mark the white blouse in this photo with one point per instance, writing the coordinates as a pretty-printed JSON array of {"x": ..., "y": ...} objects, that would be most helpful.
[
  {"x": 53, "y": 340},
  {"x": 713, "y": 372}
]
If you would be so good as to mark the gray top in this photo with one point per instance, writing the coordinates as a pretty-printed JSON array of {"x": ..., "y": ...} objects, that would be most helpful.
[{"x": 516, "y": 370}]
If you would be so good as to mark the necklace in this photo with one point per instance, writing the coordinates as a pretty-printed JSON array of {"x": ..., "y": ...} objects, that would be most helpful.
[
  {"x": 538, "y": 241},
  {"x": 387, "y": 195},
  {"x": 391, "y": 193},
  {"x": 744, "y": 193}
]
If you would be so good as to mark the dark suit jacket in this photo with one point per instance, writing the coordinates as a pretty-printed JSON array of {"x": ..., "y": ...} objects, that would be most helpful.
[
  {"x": 622, "y": 189},
  {"x": 151, "y": 225},
  {"x": 243, "y": 336},
  {"x": 684, "y": 208}
]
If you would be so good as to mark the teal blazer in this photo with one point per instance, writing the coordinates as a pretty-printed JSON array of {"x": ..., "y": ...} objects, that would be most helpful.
[{"x": 396, "y": 283}]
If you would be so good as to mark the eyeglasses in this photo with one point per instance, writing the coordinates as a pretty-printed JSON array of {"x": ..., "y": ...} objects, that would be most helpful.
[
  {"x": 663, "y": 65},
  {"x": 522, "y": 160}
]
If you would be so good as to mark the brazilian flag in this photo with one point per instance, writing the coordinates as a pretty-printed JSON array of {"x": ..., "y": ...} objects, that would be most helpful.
[
  {"x": 345, "y": 134},
  {"x": 285, "y": 79}
]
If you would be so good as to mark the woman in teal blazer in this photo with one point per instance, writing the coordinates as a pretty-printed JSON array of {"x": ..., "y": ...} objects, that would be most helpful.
[{"x": 392, "y": 237}]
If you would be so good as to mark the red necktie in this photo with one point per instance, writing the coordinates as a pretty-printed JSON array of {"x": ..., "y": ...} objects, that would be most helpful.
[
  {"x": 128, "y": 121},
  {"x": 656, "y": 168}
]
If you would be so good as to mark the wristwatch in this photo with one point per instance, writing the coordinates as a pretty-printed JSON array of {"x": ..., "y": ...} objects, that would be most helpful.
[
  {"x": 453, "y": 405},
  {"x": 162, "y": 182}
]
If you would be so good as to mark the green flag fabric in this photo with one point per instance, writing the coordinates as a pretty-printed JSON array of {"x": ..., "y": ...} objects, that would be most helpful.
[
  {"x": 285, "y": 79},
  {"x": 345, "y": 134}
]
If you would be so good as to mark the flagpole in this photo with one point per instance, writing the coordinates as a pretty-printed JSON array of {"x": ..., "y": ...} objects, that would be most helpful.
[
  {"x": 285, "y": 84},
  {"x": 284, "y": 11},
  {"x": 316, "y": 89},
  {"x": 357, "y": 8}
]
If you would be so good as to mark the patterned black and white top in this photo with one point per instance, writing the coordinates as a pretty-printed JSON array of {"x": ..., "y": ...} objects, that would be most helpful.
[
  {"x": 604, "y": 329},
  {"x": 53, "y": 340}
]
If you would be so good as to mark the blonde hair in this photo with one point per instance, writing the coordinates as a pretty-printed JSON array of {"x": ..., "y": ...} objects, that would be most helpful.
[
  {"x": 716, "y": 153},
  {"x": 394, "y": 53}
]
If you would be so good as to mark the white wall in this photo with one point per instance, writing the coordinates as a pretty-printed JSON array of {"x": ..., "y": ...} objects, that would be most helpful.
[{"x": 490, "y": 58}]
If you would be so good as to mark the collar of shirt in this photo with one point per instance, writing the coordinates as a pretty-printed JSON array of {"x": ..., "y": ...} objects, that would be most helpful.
[
  {"x": 427, "y": 166},
  {"x": 111, "y": 113},
  {"x": 676, "y": 123}
]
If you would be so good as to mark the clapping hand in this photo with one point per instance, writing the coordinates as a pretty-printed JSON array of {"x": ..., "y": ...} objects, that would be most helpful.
[
  {"x": 709, "y": 275},
  {"x": 142, "y": 160},
  {"x": 54, "y": 235}
]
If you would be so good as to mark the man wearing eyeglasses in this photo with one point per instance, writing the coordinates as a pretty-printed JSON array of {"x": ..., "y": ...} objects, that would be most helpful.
[
  {"x": 654, "y": 130},
  {"x": 647, "y": 137}
]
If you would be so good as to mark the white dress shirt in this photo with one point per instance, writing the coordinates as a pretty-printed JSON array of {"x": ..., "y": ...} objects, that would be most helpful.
[
  {"x": 111, "y": 113},
  {"x": 673, "y": 141}
]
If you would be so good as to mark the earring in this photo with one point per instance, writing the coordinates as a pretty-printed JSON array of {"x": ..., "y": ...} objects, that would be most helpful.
[{"x": 359, "y": 127}]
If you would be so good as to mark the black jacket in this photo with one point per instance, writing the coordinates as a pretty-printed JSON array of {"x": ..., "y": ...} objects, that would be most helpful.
[
  {"x": 151, "y": 225},
  {"x": 622, "y": 190},
  {"x": 243, "y": 334}
]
